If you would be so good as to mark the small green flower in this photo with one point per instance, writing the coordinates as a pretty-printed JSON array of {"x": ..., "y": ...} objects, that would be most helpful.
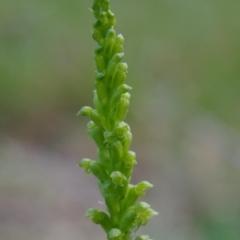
[{"x": 113, "y": 136}]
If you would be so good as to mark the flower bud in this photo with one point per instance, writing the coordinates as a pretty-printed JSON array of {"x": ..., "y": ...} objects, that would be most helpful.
[
  {"x": 127, "y": 141},
  {"x": 111, "y": 19},
  {"x": 142, "y": 187},
  {"x": 112, "y": 67},
  {"x": 143, "y": 237},
  {"x": 99, "y": 217},
  {"x": 97, "y": 135},
  {"x": 120, "y": 182},
  {"x": 97, "y": 103},
  {"x": 118, "y": 178},
  {"x": 128, "y": 219},
  {"x": 105, "y": 5},
  {"x": 85, "y": 111},
  {"x": 98, "y": 171},
  {"x": 115, "y": 234},
  {"x": 129, "y": 160},
  {"x": 115, "y": 152},
  {"x": 144, "y": 212},
  {"x": 122, "y": 130},
  {"x": 95, "y": 10},
  {"x": 102, "y": 92},
  {"x": 122, "y": 108},
  {"x": 97, "y": 36},
  {"x": 100, "y": 61},
  {"x": 96, "y": 118},
  {"x": 113, "y": 206},
  {"x": 109, "y": 42},
  {"x": 104, "y": 159},
  {"x": 120, "y": 74},
  {"x": 134, "y": 192},
  {"x": 103, "y": 19},
  {"x": 118, "y": 46},
  {"x": 115, "y": 98},
  {"x": 93, "y": 114},
  {"x": 85, "y": 164}
]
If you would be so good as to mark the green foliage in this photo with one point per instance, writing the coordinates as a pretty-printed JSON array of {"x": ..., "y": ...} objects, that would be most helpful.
[{"x": 113, "y": 136}]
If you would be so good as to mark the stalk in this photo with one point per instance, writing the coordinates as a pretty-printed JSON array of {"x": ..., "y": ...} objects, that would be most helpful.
[{"x": 113, "y": 136}]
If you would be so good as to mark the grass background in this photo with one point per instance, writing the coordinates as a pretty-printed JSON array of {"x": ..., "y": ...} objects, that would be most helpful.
[{"x": 183, "y": 59}]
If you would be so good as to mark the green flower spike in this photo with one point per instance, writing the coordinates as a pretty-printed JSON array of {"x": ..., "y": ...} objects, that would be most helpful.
[{"x": 113, "y": 137}]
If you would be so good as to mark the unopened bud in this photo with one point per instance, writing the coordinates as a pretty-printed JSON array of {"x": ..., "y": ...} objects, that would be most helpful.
[
  {"x": 118, "y": 46},
  {"x": 109, "y": 42},
  {"x": 85, "y": 111},
  {"x": 112, "y": 67},
  {"x": 100, "y": 61},
  {"x": 97, "y": 36},
  {"x": 128, "y": 219},
  {"x": 97, "y": 135},
  {"x": 115, "y": 234},
  {"x": 85, "y": 164},
  {"x": 115, "y": 98},
  {"x": 115, "y": 152},
  {"x": 111, "y": 19},
  {"x": 103, "y": 18},
  {"x": 98, "y": 171},
  {"x": 99, "y": 217},
  {"x": 105, "y": 5},
  {"x": 122, "y": 109}
]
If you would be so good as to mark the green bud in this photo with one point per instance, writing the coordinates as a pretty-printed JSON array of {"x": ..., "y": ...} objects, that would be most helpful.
[
  {"x": 100, "y": 61},
  {"x": 105, "y": 5},
  {"x": 85, "y": 111},
  {"x": 98, "y": 171},
  {"x": 142, "y": 187},
  {"x": 97, "y": 135},
  {"x": 118, "y": 46},
  {"x": 95, "y": 10},
  {"x": 97, "y": 36},
  {"x": 93, "y": 114},
  {"x": 101, "y": 92},
  {"x": 99, "y": 217},
  {"x": 122, "y": 130},
  {"x": 143, "y": 237},
  {"x": 104, "y": 159},
  {"x": 129, "y": 159},
  {"x": 85, "y": 164},
  {"x": 96, "y": 118},
  {"x": 112, "y": 65},
  {"x": 120, "y": 182},
  {"x": 111, "y": 19},
  {"x": 119, "y": 78},
  {"x": 115, "y": 152},
  {"x": 97, "y": 103},
  {"x": 103, "y": 19},
  {"x": 122, "y": 108},
  {"x": 134, "y": 192},
  {"x": 115, "y": 234},
  {"x": 113, "y": 206},
  {"x": 127, "y": 141},
  {"x": 128, "y": 219},
  {"x": 144, "y": 212},
  {"x": 141, "y": 207},
  {"x": 115, "y": 98},
  {"x": 109, "y": 42},
  {"x": 118, "y": 178}
]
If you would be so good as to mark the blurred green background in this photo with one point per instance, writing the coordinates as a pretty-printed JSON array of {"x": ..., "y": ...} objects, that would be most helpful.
[{"x": 184, "y": 67}]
